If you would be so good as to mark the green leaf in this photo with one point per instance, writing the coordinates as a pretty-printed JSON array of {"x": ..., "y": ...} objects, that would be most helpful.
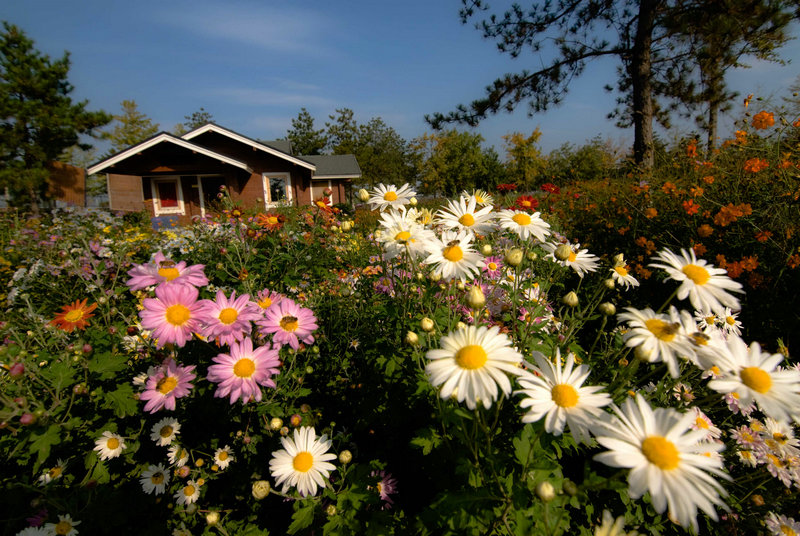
[
  {"x": 107, "y": 365},
  {"x": 301, "y": 519},
  {"x": 96, "y": 470},
  {"x": 427, "y": 440},
  {"x": 41, "y": 443},
  {"x": 121, "y": 401},
  {"x": 60, "y": 374}
]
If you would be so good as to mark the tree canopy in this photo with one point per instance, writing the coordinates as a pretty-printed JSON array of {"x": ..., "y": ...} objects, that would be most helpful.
[
  {"x": 130, "y": 127},
  {"x": 38, "y": 119},
  {"x": 304, "y": 137}
]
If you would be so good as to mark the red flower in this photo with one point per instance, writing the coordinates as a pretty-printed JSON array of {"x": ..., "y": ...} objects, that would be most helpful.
[
  {"x": 551, "y": 188},
  {"x": 527, "y": 202},
  {"x": 690, "y": 207},
  {"x": 506, "y": 187}
]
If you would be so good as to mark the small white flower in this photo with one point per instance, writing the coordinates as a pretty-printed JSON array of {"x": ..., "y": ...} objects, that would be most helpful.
[{"x": 110, "y": 445}]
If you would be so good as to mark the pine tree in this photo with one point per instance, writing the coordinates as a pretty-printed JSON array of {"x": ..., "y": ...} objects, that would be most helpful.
[
  {"x": 304, "y": 137},
  {"x": 131, "y": 127}
]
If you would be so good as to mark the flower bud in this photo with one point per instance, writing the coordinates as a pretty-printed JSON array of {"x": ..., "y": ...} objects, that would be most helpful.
[
  {"x": 212, "y": 518},
  {"x": 435, "y": 276},
  {"x": 757, "y": 500},
  {"x": 570, "y": 299},
  {"x": 275, "y": 424},
  {"x": 345, "y": 457},
  {"x": 331, "y": 510},
  {"x": 475, "y": 297},
  {"x": 607, "y": 308},
  {"x": 461, "y": 325},
  {"x": 609, "y": 283},
  {"x": 461, "y": 285},
  {"x": 413, "y": 201},
  {"x": 562, "y": 252},
  {"x": 346, "y": 226},
  {"x": 514, "y": 257},
  {"x": 427, "y": 324},
  {"x": 16, "y": 370},
  {"x": 260, "y": 489},
  {"x": 618, "y": 260},
  {"x": 545, "y": 491},
  {"x": 570, "y": 487},
  {"x": 532, "y": 256},
  {"x": 363, "y": 195},
  {"x": 642, "y": 355},
  {"x": 412, "y": 338},
  {"x": 486, "y": 249}
]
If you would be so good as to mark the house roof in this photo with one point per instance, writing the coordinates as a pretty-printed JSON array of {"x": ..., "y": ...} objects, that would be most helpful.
[
  {"x": 284, "y": 146},
  {"x": 164, "y": 137},
  {"x": 211, "y": 127},
  {"x": 336, "y": 166}
]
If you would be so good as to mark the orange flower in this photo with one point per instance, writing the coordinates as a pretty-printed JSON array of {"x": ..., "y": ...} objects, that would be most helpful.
[
  {"x": 650, "y": 213},
  {"x": 270, "y": 221},
  {"x": 74, "y": 316},
  {"x": 741, "y": 137},
  {"x": 793, "y": 261},
  {"x": 690, "y": 207},
  {"x": 796, "y": 123},
  {"x": 691, "y": 149},
  {"x": 696, "y": 191},
  {"x": 750, "y": 263},
  {"x": 705, "y": 230},
  {"x": 763, "y": 236},
  {"x": 708, "y": 179},
  {"x": 763, "y": 120},
  {"x": 669, "y": 188},
  {"x": 699, "y": 249},
  {"x": 730, "y": 213},
  {"x": 754, "y": 165},
  {"x": 785, "y": 164},
  {"x": 747, "y": 100},
  {"x": 735, "y": 269},
  {"x": 721, "y": 262}
]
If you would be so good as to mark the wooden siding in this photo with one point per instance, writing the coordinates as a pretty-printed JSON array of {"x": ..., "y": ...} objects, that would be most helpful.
[
  {"x": 125, "y": 193},
  {"x": 67, "y": 183}
]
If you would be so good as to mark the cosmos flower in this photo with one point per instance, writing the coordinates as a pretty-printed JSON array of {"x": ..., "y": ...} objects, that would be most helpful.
[
  {"x": 173, "y": 315},
  {"x": 288, "y": 323},
  {"x": 241, "y": 373},
  {"x": 164, "y": 271},
  {"x": 74, "y": 316},
  {"x": 228, "y": 320},
  {"x": 168, "y": 382}
]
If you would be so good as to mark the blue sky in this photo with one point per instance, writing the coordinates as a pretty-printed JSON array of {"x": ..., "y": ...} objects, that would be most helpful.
[{"x": 254, "y": 64}]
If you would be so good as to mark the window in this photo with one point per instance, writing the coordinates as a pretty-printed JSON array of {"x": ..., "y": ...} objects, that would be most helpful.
[
  {"x": 277, "y": 189},
  {"x": 167, "y": 195}
]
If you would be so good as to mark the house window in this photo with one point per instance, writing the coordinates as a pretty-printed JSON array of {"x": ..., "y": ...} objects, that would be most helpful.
[
  {"x": 167, "y": 195},
  {"x": 277, "y": 189}
]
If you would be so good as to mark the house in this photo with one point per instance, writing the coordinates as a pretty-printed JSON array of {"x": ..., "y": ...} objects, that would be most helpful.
[{"x": 180, "y": 177}]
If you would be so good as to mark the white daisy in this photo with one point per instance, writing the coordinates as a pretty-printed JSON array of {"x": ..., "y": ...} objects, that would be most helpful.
[
  {"x": 706, "y": 286},
  {"x": 780, "y": 525},
  {"x": 779, "y": 436},
  {"x": 524, "y": 225},
  {"x": 165, "y": 431},
  {"x": 620, "y": 273},
  {"x": 453, "y": 256},
  {"x": 481, "y": 197},
  {"x": 304, "y": 462},
  {"x": 34, "y": 531},
  {"x": 223, "y": 457},
  {"x": 178, "y": 456},
  {"x": 154, "y": 479},
  {"x": 53, "y": 473},
  {"x": 657, "y": 337},
  {"x": 579, "y": 259},
  {"x": 188, "y": 493},
  {"x": 462, "y": 215},
  {"x": 558, "y": 395},
  {"x": 666, "y": 458},
  {"x": 110, "y": 445},
  {"x": 400, "y": 234},
  {"x": 65, "y": 526},
  {"x": 471, "y": 364},
  {"x": 729, "y": 322},
  {"x": 702, "y": 422},
  {"x": 705, "y": 319},
  {"x": 755, "y": 376},
  {"x": 384, "y": 196}
]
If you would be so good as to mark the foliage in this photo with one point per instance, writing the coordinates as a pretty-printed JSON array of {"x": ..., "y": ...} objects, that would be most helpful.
[
  {"x": 130, "y": 127},
  {"x": 194, "y": 120},
  {"x": 305, "y": 139},
  {"x": 39, "y": 120},
  {"x": 524, "y": 161}
]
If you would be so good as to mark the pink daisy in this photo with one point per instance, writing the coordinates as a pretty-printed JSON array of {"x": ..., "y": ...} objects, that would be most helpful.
[
  {"x": 173, "y": 314},
  {"x": 267, "y": 298},
  {"x": 289, "y": 323},
  {"x": 492, "y": 267},
  {"x": 228, "y": 319},
  {"x": 241, "y": 372},
  {"x": 169, "y": 382},
  {"x": 165, "y": 271}
]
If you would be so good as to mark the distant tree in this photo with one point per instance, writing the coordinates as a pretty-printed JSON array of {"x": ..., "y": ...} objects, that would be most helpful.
[
  {"x": 304, "y": 137},
  {"x": 38, "y": 119},
  {"x": 129, "y": 128},
  {"x": 451, "y": 161},
  {"x": 383, "y": 155},
  {"x": 525, "y": 162},
  {"x": 594, "y": 160},
  {"x": 195, "y": 120},
  {"x": 342, "y": 132}
]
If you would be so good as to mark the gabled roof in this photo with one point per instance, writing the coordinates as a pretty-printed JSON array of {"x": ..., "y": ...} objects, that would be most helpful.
[
  {"x": 338, "y": 166},
  {"x": 284, "y": 146},
  {"x": 164, "y": 137},
  {"x": 211, "y": 127}
]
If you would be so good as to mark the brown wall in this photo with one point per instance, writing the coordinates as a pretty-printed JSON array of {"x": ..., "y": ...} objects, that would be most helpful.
[
  {"x": 125, "y": 193},
  {"x": 67, "y": 183}
]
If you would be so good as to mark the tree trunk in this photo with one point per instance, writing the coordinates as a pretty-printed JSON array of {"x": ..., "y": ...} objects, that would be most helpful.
[{"x": 640, "y": 72}]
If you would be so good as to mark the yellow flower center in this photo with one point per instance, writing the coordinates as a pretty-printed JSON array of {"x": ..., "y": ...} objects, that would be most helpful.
[
  {"x": 166, "y": 384},
  {"x": 662, "y": 330},
  {"x": 272, "y": 220},
  {"x": 112, "y": 443},
  {"x": 55, "y": 472},
  {"x": 564, "y": 395},
  {"x": 303, "y": 461},
  {"x": 698, "y": 274},
  {"x": 756, "y": 379},
  {"x": 244, "y": 368},
  {"x": 453, "y": 253},
  {"x": 264, "y": 302},
  {"x": 522, "y": 219},
  {"x": 572, "y": 256},
  {"x": 661, "y": 452},
  {"x": 63, "y": 528},
  {"x": 166, "y": 431},
  {"x": 222, "y": 456},
  {"x": 700, "y": 423},
  {"x": 189, "y": 490},
  {"x": 228, "y": 316},
  {"x": 74, "y": 316},
  {"x": 780, "y": 438},
  {"x": 169, "y": 273},
  {"x": 786, "y": 530},
  {"x": 621, "y": 271},
  {"x": 402, "y": 236},
  {"x": 492, "y": 266},
  {"x": 730, "y": 320},
  {"x": 467, "y": 220},
  {"x": 288, "y": 323},
  {"x": 472, "y": 357},
  {"x": 390, "y": 196},
  {"x": 178, "y": 314},
  {"x": 157, "y": 478},
  {"x": 479, "y": 199}
]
